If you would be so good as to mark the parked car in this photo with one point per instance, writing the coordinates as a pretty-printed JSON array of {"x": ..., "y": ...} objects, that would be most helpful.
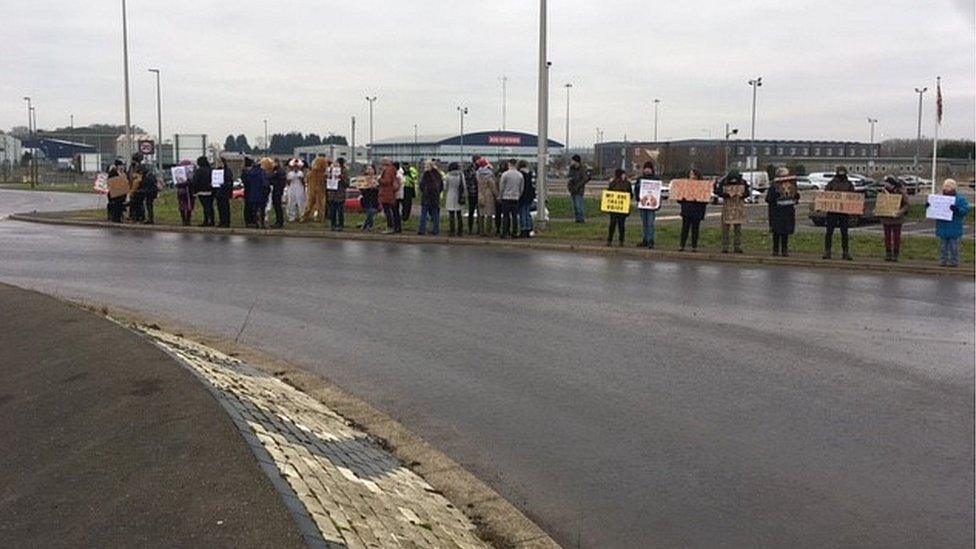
[
  {"x": 819, "y": 180},
  {"x": 803, "y": 183},
  {"x": 870, "y": 200},
  {"x": 757, "y": 180},
  {"x": 914, "y": 183}
]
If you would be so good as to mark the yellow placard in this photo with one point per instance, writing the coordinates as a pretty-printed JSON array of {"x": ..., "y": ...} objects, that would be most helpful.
[{"x": 615, "y": 202}]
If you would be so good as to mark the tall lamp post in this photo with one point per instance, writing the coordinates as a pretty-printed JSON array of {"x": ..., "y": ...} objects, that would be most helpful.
[
  {"x": 657, "y": 103},
  {"x": 416, "y": 138},
  {"x": 369, "y": 146},
  {"x": 568, "y": 87},
  {"x": 756, "y": 83},
  {"x": 918, "y": 140},
  {"x": 504, "y": 80},
  {"x": 872, "y": 122},
  {"x": 159, "y": 122},
  {"x": 125, "y": 70},
  {"x": 543, "y": 145},
  {"x": 30, "y": 135},
  {"x": 267, "y": 144},
  {"x": 729, "y": 132},
  {"x": 461, "y": 112}
]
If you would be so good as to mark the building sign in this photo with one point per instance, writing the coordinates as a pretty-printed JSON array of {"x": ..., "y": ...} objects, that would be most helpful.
[
  {"x": 147, "y": 146},
  {"x": 504, "y": 140}
]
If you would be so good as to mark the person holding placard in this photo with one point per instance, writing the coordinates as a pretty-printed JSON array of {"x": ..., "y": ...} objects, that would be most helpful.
[
  {"x": 184, "y": 196},
  {"x": 335, "y": 192},
  {"x": 892, "y": 223},
  {"x": 202, "y": 187},
  {"x": 648, "y": 192},
  {"x": 223, "y": 194},
  {"x": 618, "y": 221},
  {"x": 369, "y": 197},
  {"x": 387, "y": 195},
  {"x": 137, "y": 196},
  {"x": 782, "y": 198},
  {"x": 692, "y": 214},
  {"x": 834, "y": 221},
  {"x": 950, "y": 231},
  {"x": 118, "y": 186},
  {"x": 733, "y": 189}
]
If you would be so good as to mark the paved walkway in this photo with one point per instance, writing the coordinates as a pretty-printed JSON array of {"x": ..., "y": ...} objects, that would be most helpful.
[
  {"x": 344, "y": 488},
  {"x": 105, "y": 442}
]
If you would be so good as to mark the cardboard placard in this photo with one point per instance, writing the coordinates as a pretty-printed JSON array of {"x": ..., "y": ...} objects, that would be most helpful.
[
  {"x": 788, "y": 194},
  {"x": 217, "y": 178},
  {"x": 735, "y": 191},
  {"x": 179, "y": 175},
  {"x": 691, "y": 190},
  {"x": 839, "y": 202},
  {"x": 615, "y": 202},
  {"x": 888, "y": 205},
  {"x": 939, "y": 205},
  {"x": 734, "y": 212},
  {"x": 649, "y": 196},
  {"x": 117, "y": 186}
]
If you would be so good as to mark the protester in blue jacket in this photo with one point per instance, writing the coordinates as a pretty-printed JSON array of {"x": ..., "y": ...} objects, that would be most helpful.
[
  {"x": 256, "y": 188},
  {"x": 950, "y": 232}
]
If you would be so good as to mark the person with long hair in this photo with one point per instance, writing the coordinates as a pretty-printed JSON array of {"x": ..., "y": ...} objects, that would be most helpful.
[
  {"x": 457, "y": 194},
  {"x": 387, "y": 196},
  {"x": 618, "y": 221}
]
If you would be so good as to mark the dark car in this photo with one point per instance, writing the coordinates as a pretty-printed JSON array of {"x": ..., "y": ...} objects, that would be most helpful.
[{"x": 870, "y": 201}]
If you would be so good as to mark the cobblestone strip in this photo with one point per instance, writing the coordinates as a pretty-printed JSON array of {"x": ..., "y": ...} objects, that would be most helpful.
[{"x": 339, "y": 483}]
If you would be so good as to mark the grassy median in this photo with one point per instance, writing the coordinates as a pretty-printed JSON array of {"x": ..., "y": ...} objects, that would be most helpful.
[{"x": 594, "y": 231}]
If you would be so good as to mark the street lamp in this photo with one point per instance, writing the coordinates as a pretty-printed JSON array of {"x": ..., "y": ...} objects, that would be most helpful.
[
  {"x": 543, "y": 144},
  {"x": 30, "y": 135},
  {"x": 872, "y": 121},
  {"x": 657, "y": 103},
  {"x": 504, "y": 80},
  {"x": 159, "y": 121},
  {"x": 71, "y": 122},
  {"x": 918, "y": 140},
  {"x": 369, "y": 149},
  {"x": 125, "y": 69},
  {"x": 729, "y": 132},
  {"x": 416, "y": 137},
  {"x": 568, "y": 86},
  {"x": 756, "y": 83},
  {"x": 461, "y": 112}
]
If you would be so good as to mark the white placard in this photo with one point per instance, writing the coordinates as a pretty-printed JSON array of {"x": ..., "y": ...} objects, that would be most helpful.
[
  {"x": 101, "y": 183},
  {"x": 332, "y": 183},
  {"x": 217, "y": 178},
  {"x": 179, "y": 175},
  {"x": 939, "y": 207},
  {"x": 649, "y": 197}
]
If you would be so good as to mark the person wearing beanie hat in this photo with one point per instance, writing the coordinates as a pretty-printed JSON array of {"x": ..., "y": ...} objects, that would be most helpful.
[
  {"x": 733, "y": 189},
  {"x": 838, "y": 220},
  {"x": 892, "y": 225},
  {"x": 618, "y": 221},
  {"x": 782, "y": 198},
  {"x": 950, "y": 232},
  {"x": 579, "y": 176}
]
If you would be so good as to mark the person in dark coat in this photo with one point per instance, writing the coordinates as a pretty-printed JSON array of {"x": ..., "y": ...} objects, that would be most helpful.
[
  {"x": 431, "y": 187},
  {"x": 618, "y": 221},
  {"x": 203, "y": 189},
  {"x": 336, "y": 197},
  {"x": 150, "y": 190},
  {"x": 256, "y": 189},
  {"x": 278, "y": 180},
  {"x": 692, "y": 214},
  {"x": 223, "y": 196},
  {"x": 526, "y": 200},
  {"x": 838, "y": 220},
  {"x": 116, "y": 204},
  {"x": 782, "y": 212},
  {"x": 137, "y": 196},
  {"x": 471, "y": 181}
]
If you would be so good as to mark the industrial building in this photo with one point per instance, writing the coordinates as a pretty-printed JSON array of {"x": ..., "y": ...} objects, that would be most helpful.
[
  {"x": 10, "y": 150},
  {"x": 494, "y": 145}
]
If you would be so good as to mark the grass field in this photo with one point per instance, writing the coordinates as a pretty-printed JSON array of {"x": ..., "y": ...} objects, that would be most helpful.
[
  {"x": 755, "y": 241},
  {"x": 60, "y": 187}
]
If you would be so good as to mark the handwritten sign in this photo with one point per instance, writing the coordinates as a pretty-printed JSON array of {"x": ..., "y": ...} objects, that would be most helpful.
[
  {"x": 691, "y": 190},
  {"x": 888, "y": 205},
  {"x": 788, "y": 194},
  {"x": 217, "y": 179},
  {"x": 734, "y": 212},
  {"x": 615, "y": 202},
  {"x": 939, "y": 207},
  {"x": 101, "y": 183},
  {"x": 839, "y": 202},
  {"x": 179, "y": 175},
  {"x": 649, "y": 196},
  {"x": 117, "y": 186},
  {"x": 735, "y": 191},
  {"x": 332, "y": 183}
]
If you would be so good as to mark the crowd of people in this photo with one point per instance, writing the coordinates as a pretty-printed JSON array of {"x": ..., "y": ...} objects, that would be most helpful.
[{"x": 499, "y": 202}]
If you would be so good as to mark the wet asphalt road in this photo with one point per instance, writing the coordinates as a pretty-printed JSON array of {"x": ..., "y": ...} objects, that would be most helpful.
[{"x": 620, "y": 403}]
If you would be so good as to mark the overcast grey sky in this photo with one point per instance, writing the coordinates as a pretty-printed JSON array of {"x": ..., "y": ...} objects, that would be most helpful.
[{"x": 306, "y": 65}]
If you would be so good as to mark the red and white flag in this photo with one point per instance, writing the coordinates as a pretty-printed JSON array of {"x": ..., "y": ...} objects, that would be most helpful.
[{"x": 938, "y": 102}]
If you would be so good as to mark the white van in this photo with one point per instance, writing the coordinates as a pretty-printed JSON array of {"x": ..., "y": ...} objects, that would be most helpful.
[{"x": 759, "y": 181}]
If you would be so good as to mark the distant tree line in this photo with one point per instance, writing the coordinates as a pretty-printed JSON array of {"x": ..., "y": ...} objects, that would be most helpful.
[
  {"x": 282, "y": 143},
  {"x": 948, "y": 148}
]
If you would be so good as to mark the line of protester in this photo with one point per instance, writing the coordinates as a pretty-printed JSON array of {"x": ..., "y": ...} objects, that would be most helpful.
[{"x": 498, "y": 203}]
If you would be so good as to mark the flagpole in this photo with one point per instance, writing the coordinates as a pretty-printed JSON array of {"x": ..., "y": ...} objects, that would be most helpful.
[{"x": 938, "y": 122}]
